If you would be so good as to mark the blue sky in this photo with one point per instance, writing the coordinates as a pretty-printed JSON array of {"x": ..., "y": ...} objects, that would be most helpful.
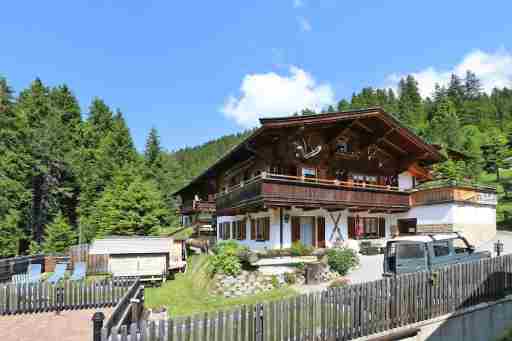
[{"x": 200, "y": 69}]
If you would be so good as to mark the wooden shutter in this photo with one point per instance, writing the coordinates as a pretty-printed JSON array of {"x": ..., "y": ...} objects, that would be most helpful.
[
  {"x": 266, "y": 228},
  {"x": 351, "y": 227},
  {"x": 315, "y": 231},
  {"x": 320, "y": 228},
  {"x": 243, "y": 228},
  {"x": 253, "y": 229},
  {"x": 295, "y": 229},
  {"x": 382, "y": 227}
]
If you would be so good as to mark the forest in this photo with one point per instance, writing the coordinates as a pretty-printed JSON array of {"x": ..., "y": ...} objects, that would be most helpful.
[{"x": 68, "y": 177}]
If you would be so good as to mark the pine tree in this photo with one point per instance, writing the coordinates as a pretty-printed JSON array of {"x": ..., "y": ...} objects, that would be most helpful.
[
  {"x": 496, "y": 152},
  {"x": 343, "y": 105},
  {"x": 153, "y": 151},
  {"x": 456, "y": 91},
  {"x": 472, "y": 86},
  {"x": 445, "y": 125},
  {"x": 410, "y": 104},
  {"x": 130, "y": 206},
  {"x": 59, "y": 236}
]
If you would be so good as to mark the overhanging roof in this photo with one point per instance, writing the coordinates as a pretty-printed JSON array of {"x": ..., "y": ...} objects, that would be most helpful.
[{"x": 430, "y": 153}]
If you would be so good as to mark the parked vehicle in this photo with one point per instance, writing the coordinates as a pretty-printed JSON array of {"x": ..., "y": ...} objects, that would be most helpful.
[{"x": 427, "y": 252}]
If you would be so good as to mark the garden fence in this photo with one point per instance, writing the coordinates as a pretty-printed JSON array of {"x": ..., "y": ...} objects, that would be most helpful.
[
  {"x": 341, "y": 313},
  {"x": 42, "y": 297}
]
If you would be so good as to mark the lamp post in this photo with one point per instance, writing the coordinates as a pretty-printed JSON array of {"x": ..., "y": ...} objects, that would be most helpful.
[{"x": 498, "y": 247}]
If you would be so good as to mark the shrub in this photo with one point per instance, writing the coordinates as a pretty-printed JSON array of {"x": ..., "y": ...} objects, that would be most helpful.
[
  {"x": 299, "y": 249},
  {"x": 342, "y": 260},
  {"x": 224, "y": 263},
  {"x": 290, "y": 278},
  {"x": 339, "y": 283},
  {"x": 229, "y": 247},
  {"x": 274, "y": 281}
]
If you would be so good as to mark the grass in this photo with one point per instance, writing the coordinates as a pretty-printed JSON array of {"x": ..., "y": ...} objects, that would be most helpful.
[
  {"x": 504, "y": 204},
  {"x": 188, "y": 293}
]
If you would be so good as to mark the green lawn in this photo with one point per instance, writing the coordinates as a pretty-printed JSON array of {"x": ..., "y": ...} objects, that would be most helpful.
[
  {"x": 188, "y": 293},
  {"x": 504, "y": 204}
]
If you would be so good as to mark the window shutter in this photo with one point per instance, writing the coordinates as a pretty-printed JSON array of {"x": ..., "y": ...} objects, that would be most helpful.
[
  {"x": 320, "y": 228},
  {"x": 253, "y": 229},
  {"x": 351, "y": 228},
  {"x": 382, "y": 227},
  {"x": 315, "y": 232},
  {"x": 244, "y": 228},
  {"x": 266, "y": 231},
  {"x": 295, "y": 229}
]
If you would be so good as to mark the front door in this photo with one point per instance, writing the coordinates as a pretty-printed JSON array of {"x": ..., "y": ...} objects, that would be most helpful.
[{"x": 303, "y": 230}]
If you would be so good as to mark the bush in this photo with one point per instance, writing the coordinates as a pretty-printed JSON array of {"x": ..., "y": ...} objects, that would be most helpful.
[
  {"x": 274, "y": 281},
  {"x": 229, "y": 247},
  {"x": 290, "y": 278},
  {"x": 299, "y": 249},
  {"x": 224, "y": 263},
  {"x": 339, "y": 283},
  {"x": 342, "y": 260}
]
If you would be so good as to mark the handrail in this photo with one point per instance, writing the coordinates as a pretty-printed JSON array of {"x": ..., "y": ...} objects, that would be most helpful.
[
  {"x": 453, "y": 183},
  {"x": 298, "y": 179}
]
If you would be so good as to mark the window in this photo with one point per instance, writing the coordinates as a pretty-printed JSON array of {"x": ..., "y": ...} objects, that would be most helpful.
[
  {"x": 410, "y": 251},
  {"x": 460, "y": 246},
  {"x": 342, "y": 146},
  {"x": 224, "y": 231},
  {"x": 239, "y": 230},
  {"x": 260, "y": 229},
  {"x": 366, "y": 227},
  {"x": 441, "y": 249},
  {"x": 309, "y": 172}
]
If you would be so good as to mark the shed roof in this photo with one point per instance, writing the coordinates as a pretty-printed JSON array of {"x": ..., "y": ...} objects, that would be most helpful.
[{"x": 130, "y": 245}]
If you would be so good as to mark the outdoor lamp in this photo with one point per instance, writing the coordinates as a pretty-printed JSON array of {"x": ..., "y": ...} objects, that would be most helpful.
[{"x": 498, "y": 247}]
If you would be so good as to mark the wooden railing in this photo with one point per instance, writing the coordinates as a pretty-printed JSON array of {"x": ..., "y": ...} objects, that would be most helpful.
[
  {"x": 198, "y": 206},
  {"x": 282, "y": 189},
  {"x": 437, "y": 195}
]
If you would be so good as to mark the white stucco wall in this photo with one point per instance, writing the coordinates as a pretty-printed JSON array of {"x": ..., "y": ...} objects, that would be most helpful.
[
  {"x": 274, "y": 241},
  {"x": 405, "y": 181}
]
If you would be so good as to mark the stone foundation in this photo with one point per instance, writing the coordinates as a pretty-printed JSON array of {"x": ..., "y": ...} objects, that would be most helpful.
[{"x": 434, "y": 228}]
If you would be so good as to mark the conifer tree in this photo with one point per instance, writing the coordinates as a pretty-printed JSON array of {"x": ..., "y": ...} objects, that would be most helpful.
[
  {"x": 58, "y": 236},
  {"x": 410, "y": 104},
  {"x": 153, "y": 151}
]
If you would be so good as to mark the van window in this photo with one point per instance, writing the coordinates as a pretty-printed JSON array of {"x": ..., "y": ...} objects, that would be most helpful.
[
  {"x": 441, "y": 249},
  {"x": 460, "y": 246},
  {"x": 410, "y": 251}
]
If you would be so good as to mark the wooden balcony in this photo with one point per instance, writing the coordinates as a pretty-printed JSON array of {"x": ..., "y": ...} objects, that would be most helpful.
[
  {"x": 454, "y": 192},
  {"x": 197, "y": 206},
  {"x": 271, "y": 190}
]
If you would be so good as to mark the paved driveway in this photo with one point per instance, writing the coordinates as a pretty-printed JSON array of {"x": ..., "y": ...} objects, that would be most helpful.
[
  {"x": 73, "y": 325},
  {"x": 370, "y": 267}
]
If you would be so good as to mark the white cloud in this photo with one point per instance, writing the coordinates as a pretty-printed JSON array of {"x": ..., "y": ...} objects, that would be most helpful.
[
  {"x": 298, "y": 3},
  {"x": 304, "y": 24},
  {"x": 493, "y": 69},
  {"x": 272, "y": 95}
]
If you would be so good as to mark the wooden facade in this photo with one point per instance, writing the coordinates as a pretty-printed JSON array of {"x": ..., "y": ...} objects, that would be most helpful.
[{"x": 347, "y": 159}]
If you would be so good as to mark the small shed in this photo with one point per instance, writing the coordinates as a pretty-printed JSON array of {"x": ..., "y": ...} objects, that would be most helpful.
[{"x": 150, "y": 258}]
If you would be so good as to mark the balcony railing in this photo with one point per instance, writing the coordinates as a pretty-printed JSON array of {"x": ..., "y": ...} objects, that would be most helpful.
[
  {"x": 284, "y": 190},
  {"x": 454, "y": 192},
  {"x": 191, "y": 206}
]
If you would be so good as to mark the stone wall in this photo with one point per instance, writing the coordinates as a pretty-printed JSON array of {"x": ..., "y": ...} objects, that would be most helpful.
[{"x": 434, "y": 228}]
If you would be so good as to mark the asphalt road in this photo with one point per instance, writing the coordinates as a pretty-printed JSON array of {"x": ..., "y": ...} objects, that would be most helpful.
[{"x": 370, "y": 267}]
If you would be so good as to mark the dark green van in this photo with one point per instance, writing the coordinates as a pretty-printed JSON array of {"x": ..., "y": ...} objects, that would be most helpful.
[{"x": 427, "y": 252}]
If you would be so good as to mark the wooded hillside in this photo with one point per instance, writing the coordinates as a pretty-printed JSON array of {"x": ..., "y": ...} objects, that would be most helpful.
[{"x": 66, "y": 177}]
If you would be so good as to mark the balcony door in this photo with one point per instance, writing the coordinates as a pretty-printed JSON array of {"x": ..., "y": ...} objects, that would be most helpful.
[{"x": 309, "y": 230}]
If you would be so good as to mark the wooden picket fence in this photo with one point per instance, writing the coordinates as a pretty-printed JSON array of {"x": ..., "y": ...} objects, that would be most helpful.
[
  {"x": 41, "y": 297},
  {"x": 341, "y": 313}
]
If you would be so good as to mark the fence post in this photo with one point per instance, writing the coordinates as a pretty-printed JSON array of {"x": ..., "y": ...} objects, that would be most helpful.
[{"x": 97, "y": 324}]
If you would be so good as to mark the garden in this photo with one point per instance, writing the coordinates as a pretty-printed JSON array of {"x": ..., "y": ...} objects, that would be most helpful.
[{"x": 228, "y": 278}]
